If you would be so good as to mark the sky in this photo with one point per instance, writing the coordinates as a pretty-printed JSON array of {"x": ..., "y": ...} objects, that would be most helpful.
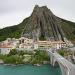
[{"x": 12, "y": 12}]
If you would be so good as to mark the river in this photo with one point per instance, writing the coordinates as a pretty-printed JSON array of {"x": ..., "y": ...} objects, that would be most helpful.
[{"x": 29, "y": 70}]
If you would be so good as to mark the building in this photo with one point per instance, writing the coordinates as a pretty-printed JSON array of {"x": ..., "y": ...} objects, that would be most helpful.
[
  {"x": 28, "y": 44},
  {"x": 58, "y": 44},
  {"x": 25, "y": 40},
  {"x": 25, "y": 47},
  {"x": 35, "y": 45},
  {"x": 7, "y": 45},
  {"x": 44, "y": 44},
  {"x": 51, "y": 44},
  {"x": 25, "y": 43},
  {"x": 5, "y": 49}
]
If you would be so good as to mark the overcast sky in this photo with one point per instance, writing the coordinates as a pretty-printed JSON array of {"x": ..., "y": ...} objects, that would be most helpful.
[{"x": 13, "y": 12}]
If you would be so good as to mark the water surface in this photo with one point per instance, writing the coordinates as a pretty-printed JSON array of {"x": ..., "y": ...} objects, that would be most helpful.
[{"x": 29, "y": 70}]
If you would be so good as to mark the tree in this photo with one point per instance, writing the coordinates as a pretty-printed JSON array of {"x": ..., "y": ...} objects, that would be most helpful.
[{"x": 13, "y": 52}]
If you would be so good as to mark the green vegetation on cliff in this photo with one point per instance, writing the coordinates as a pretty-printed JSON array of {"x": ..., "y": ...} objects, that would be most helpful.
[
  {"x": 12, "y": 31},
  {"x": 15, "y": 31},
  {"x": 68, "y": 29}
]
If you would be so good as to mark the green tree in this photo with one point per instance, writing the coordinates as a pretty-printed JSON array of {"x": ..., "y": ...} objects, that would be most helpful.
[{"x": 13, "y": 52}]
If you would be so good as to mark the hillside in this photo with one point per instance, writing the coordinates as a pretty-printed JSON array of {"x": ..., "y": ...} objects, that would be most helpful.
[{"x": 42, "y": 24}]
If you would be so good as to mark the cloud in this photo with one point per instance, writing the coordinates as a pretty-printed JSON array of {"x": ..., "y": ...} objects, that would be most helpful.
[{"x": 13, "y": 12}]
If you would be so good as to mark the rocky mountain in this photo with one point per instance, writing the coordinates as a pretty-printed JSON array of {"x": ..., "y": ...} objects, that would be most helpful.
[{"x": 43, "y": 25}]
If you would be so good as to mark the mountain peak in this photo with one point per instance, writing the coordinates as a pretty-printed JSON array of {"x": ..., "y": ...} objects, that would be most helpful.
[
  {"x": 37, "y": 7},
  {"x": 43, "y": 25}
]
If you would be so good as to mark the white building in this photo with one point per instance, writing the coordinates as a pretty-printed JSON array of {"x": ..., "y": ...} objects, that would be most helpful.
[
  {"x": 25, "y": 46},
  {"x": 58, "y": 44},
  {"x": 5, "y": 49},
  {"x": 51, "y": 44},
  {"x": 35, "y": 45},
  {"x": 25, "y": 40},
  {"x": 28, "y": 44},
  {"x": 25, "y": 43}
]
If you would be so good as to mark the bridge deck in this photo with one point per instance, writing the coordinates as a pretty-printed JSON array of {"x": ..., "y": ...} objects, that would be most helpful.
[{"x": 62, "y": 60}]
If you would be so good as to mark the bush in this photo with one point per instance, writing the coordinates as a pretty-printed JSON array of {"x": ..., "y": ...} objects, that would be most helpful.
[
  {"x": 13, "y": 52},
  {"x": 14, "y": 59},
  {"x": 40, "y": 56}
]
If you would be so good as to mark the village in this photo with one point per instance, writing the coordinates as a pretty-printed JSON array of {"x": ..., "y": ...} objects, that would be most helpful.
[{"x": 29, "y": 44}]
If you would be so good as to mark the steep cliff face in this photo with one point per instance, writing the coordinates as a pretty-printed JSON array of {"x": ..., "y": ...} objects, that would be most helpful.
[{"x": 43, "y": 25}]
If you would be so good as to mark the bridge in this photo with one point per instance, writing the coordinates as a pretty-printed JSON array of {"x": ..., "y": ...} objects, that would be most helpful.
[{"x": 67, "y": 68}]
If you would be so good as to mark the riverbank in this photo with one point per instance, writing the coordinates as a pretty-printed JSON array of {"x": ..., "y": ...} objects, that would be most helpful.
[
  {"x": 25, "y": 64},
  {"x": 37, "y": 57}
]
